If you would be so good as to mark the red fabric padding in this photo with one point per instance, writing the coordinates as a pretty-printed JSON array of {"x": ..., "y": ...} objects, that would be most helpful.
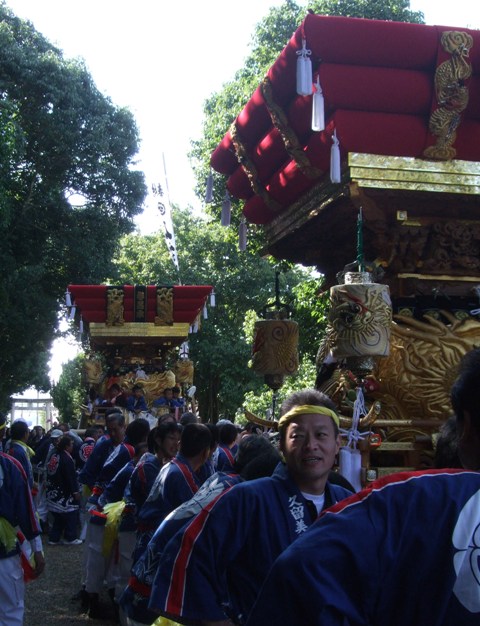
[
  {"x": 223, "y": 158},
  {"x": 468, "y": 140},
  {"x": 376, "y": 89},
  {"x": 373, "y": 43},
  {"x": 473, "y": 108},
  {"x": 254, "y": 119},
  {"x": 188, "y": 301},
  {"x": 257, "y": 212}
]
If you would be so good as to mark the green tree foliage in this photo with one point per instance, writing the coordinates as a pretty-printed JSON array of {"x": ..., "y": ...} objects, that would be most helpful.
[
  {"x": 68, "y": 394},
  {"x": 67, "y": 192},
  {"x": 394, "y": 10},
  {"x": 243, "y": 283}
]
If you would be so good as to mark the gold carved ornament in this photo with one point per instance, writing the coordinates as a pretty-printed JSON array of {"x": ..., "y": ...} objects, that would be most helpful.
[
  {"x": 250, "y": 170},
  {"x": 115, "y": 307},
  {"x": 452, "y": 94},
  {"x": 164, "y": 316},
  {"x": 413, "y": 383},
  {"x": 290, "y": 139},
  {"x": 184, "y": 370}
]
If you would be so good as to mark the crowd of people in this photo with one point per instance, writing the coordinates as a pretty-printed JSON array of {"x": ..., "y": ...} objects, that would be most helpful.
[{"x": 208, "y": 524}]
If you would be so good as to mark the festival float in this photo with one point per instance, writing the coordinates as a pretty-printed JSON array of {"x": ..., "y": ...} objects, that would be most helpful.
[
  {"x": 133, "y": 332},
  {"x": 359, "y": 154}
]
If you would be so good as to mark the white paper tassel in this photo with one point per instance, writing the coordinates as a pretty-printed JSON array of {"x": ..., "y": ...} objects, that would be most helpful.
[
  {"x": 226, "y": 210},
  {"x": 304, "y": 71},
  {"x": 335, "y": 174},
  {"x": 350, "y": 466},
  {"x": 205, "y": 312},
  {"x": 209, "y": 192},
  {"x": 318, "y": 108},
  {"x": 212, "y": 300},
  {"x": 81, "y": 325},
  {"x": 72, "y": 313},
  {"x": 242, "y": 235},
  {"x": 195, "y": 327},
  {"x": 184, "y": 350},
  {"x": 68, "y": 299}
]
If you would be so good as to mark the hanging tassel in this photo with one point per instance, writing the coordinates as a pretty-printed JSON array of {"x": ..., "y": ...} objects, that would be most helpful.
[
  {"x": 318, "y": 108},
  {"x": 68, "y": 299},
  {"x": 184, "y": 350},
  {"x": 209, "y": 192},
  {"x": 80, "y": 326},
  {"x": 195, "y": 327},
  {"x": 304, "y": 71},
  {"x": 226, "y": 210},
  {"x": 242, "y": 235},
  {"x": 212, "y": 300},
  {"x": 205, "y": 312},
  {"x": 335, "y": 173},
  {"x": 72, "y": 313},
  {"x": 349, "y": 456}
]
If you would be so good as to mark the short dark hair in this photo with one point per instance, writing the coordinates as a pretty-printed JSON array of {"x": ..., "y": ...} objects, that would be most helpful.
[
  {"x": 114, "y": 415},
  {"x": 158, "y": 434},
  {"x": 249, "y": 448},
  {"x": 227, "y": 433},
  {"x": 194, "y": 439},
  {"x": 188, "y": 418},
  {"x": 306, "y": 396},
  {"x": 18, "y": 430},
  {"x": 137, "y": 431},
  {"x": 64, "y": 442},
  {"x": 213, "y": 428}
]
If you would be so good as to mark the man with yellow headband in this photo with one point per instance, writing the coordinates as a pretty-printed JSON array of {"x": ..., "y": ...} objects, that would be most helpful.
[
  {"x": 212, "y": 571},
  {"x": 404, "y": 552}
]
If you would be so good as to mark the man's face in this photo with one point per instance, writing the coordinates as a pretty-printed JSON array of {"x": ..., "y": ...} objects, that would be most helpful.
[
  {"x": 168, "y": 394},
  {"x": 116, "y": 431},
  {"x": 309, "y": 448},
  {"x": 170, "y": 445}
]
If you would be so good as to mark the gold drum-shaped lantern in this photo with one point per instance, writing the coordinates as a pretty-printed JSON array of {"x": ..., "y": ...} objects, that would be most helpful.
[
  {"x": 360, "y": 317},
  {"x": 275, "y": 348}
]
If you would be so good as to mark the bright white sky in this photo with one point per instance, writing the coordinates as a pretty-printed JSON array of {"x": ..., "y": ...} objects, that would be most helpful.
[{"x": 163, "y": 60}]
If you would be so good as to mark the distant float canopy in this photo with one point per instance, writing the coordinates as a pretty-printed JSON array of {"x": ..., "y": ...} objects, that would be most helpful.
[{"x": 137, "y": 316}]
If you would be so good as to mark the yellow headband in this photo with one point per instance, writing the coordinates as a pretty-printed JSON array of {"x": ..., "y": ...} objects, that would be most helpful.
[{"x": 307, "y": 409}]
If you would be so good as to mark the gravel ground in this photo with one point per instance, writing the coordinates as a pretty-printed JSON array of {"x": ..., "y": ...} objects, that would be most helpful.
[{"x": 48, "y": 599}]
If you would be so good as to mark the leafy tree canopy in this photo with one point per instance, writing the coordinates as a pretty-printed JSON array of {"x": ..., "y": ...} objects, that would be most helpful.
[
  {"x": 68, "y": 192},
  {"x": 68, "y": 394}
]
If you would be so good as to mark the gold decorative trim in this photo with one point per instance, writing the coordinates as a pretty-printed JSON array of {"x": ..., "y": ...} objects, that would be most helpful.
[
  {"x": 388, "y": 172},
  {"x": 465, "y": 279},
  {"x": 250, "y": 170},
  {"x": 138, "y": 329},
  {"x": 290, "y": 139},
  {"x": 164, "y": 316},
  {"x": 452, "y": 94},
  {"x": 115, "y": 306}
]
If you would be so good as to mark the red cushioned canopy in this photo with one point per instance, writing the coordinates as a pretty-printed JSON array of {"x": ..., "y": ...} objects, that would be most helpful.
[
  {"x": 377, "y": 79},
  {"x": 146, "y": 325}
]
